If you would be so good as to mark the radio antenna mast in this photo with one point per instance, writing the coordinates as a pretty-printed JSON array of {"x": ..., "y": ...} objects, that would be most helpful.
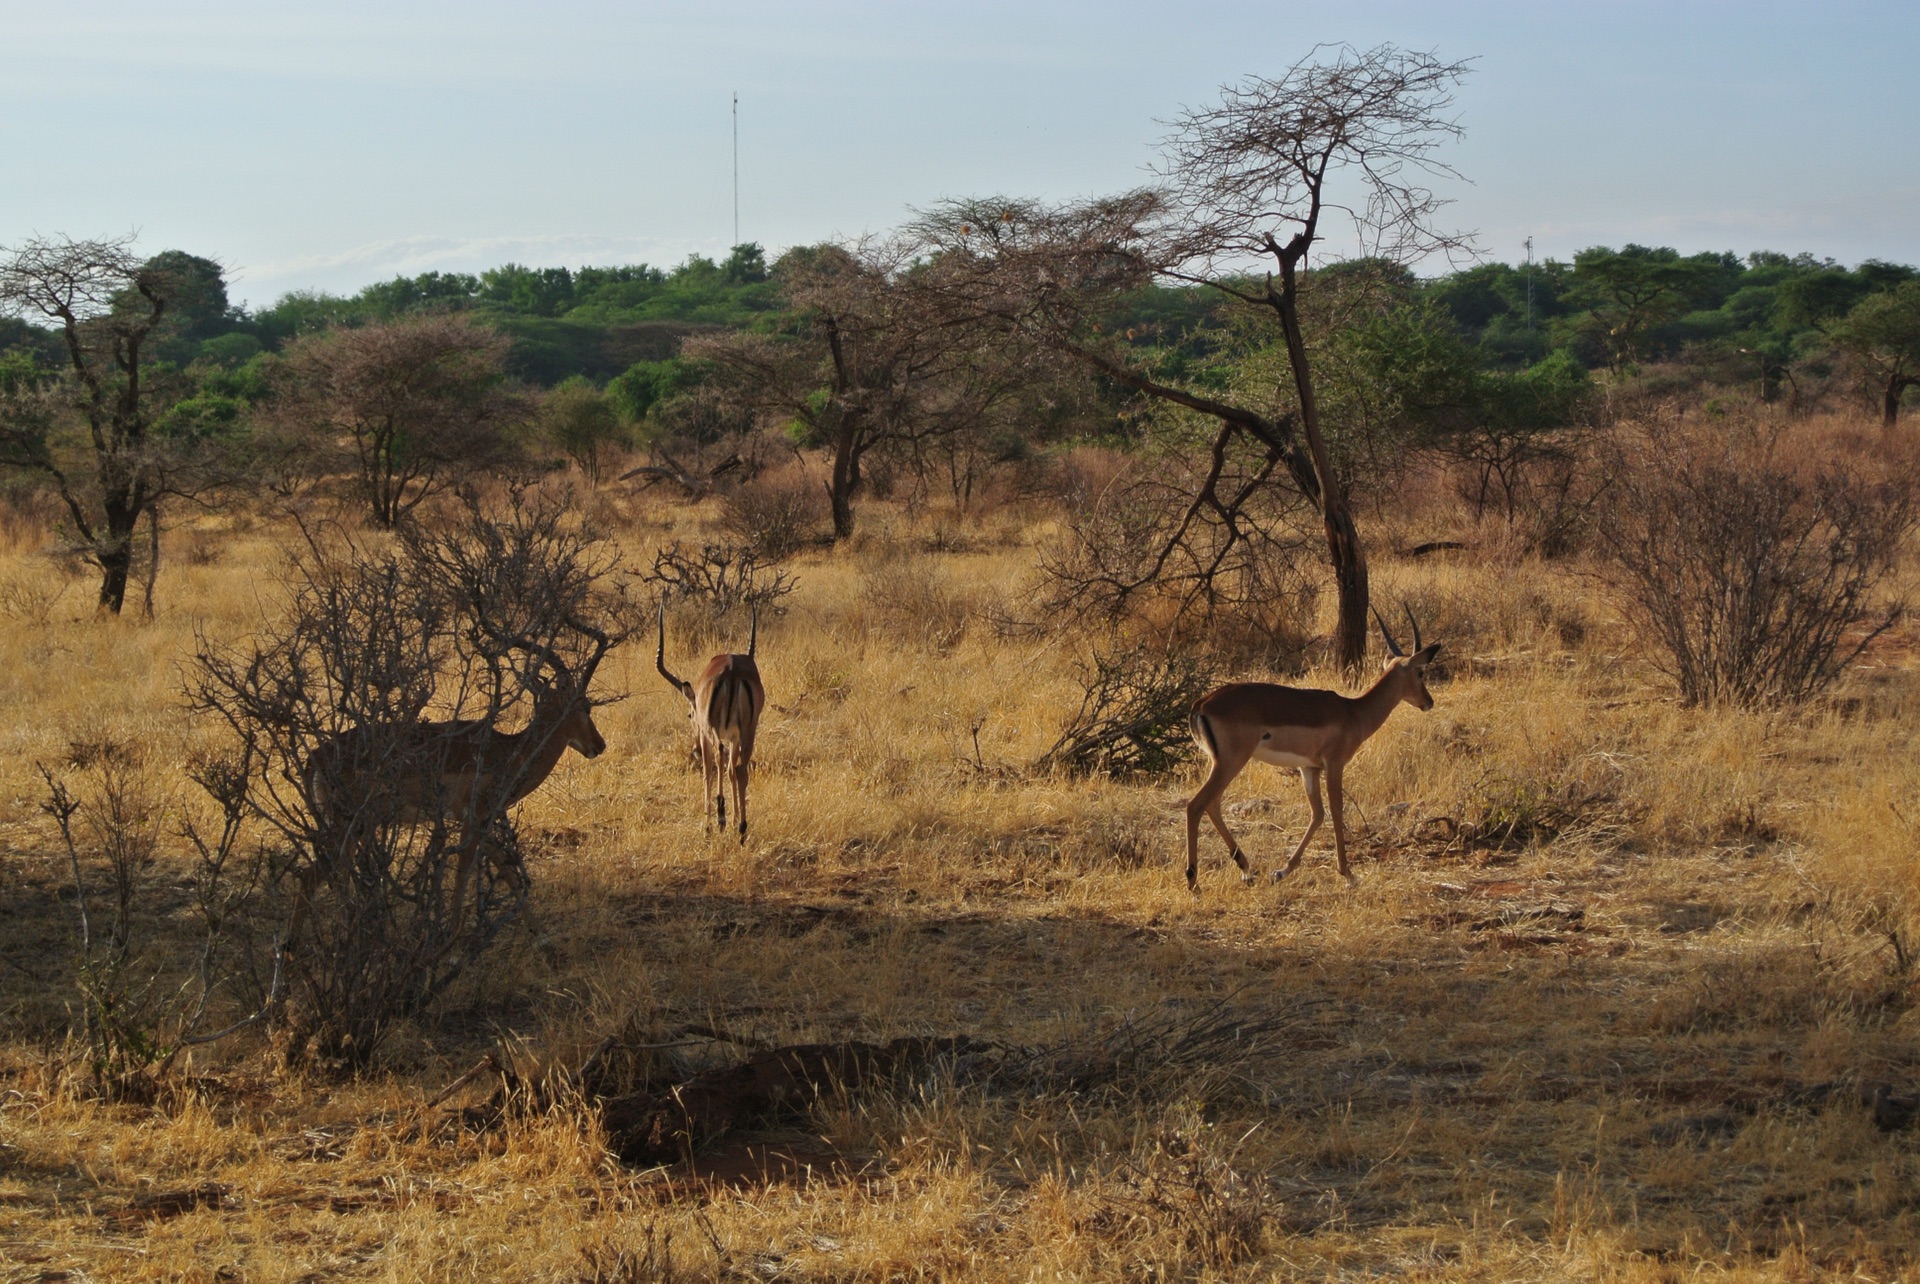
[
  {"x": 1529, "y": 281},
  {"x": 736, "y": 167}
]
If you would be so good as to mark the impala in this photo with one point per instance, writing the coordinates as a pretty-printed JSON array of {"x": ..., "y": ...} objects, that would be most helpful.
[
  {"x": 1316, "y": 732},
  {"x": 466, "y": 772},
  {"x": 724, "y": 704}
]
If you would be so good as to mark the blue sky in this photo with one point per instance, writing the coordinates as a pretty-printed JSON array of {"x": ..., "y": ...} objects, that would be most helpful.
[{"x": 327, "y": 146}]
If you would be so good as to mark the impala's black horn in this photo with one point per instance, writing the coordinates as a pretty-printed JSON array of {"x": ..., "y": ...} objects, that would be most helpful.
[
  {"x": 1393, "y": 648},
  {"x": 1415, "y": 623},
  {"x": 660, "y": 654}
]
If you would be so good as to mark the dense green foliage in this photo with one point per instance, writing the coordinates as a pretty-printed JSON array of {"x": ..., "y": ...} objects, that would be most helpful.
[{"x": 1462, "y": 361}]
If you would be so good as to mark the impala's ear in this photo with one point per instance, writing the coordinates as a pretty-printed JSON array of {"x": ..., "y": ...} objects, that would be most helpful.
[{"x": 1426, "y": 653}]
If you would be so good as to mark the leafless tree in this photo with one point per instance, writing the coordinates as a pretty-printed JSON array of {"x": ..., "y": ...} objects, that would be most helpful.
[
  {"x": 410, "y": 406},
  {"x": 1254, "y": 180},
  {"x": 107, "y": 307}
]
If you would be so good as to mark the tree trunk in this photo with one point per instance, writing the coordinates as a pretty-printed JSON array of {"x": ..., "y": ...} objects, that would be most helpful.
[
  {"x": 114, "y": 553},
  {"x": 846, "y": 479},
  {"x": 1343, "y": 537},
  {"x": 1350, "y": 583},
  {"x": 116, "y": 564},
  {"x": 1890, "y": 406}
]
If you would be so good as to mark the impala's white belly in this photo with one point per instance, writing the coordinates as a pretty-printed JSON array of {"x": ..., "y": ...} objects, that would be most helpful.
[{"x": 1281, "y": 758}]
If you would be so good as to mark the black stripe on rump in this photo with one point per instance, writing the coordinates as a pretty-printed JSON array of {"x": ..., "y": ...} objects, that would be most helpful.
[{"x": 1206, "y": 729}]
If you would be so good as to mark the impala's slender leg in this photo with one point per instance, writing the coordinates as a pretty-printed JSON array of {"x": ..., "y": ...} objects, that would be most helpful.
[
  {"x": 709, "y": 775},
  {"x": 1310, "y": 780},
  {"x": 742, "y": 764},
  {"x": 1207, "y": 802},
  {"x": 1336, "y": 800},
  {"x": 1233, "y": 847},
  {"x": 518, "y": 884}
]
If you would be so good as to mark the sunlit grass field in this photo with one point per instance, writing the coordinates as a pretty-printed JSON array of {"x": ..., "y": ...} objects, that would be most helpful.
[{"x": 1610, "y": 1001}]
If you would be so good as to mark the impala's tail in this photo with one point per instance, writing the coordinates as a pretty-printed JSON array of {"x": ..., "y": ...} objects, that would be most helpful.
[{"x": 1202, "y": 728}]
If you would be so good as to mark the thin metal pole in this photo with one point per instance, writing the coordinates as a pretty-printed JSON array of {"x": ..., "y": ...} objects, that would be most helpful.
[
  {"x": 736, "y": 167},
  {"x": 1529, "y": 283}
]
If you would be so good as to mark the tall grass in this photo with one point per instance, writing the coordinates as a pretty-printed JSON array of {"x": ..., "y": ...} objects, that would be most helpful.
[{"x": 1476, "y": 1080}]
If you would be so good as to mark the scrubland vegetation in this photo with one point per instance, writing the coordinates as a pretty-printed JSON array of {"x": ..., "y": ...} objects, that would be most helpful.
[
  {"x": 1606, "y": 1002},
  {"x": 1627, "y": 986}
]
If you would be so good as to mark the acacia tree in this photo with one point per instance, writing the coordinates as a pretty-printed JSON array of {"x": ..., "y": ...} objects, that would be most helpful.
[
  {"x": 413, "y": 404},
  {"x": 579, "y": 420},
  {"x": 1882, "y": 333},
  {"x": 1634, "y": 290},
  {"x": 107, "y": 307},
  {"x": 1248, "y": 183},
  {"x": 865, "y": 363}
]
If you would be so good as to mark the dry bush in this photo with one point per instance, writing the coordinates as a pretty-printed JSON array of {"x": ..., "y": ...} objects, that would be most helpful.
[
  {"x": 1508, "y": 812},
  {"x": 111, "y": 831},
  {"x": 776, "y": 514},
  {"x": 912, "y": 597},
  {"x": 1753, "y": 574},
  {"x": 1133, "y": 712},
  {"x": 1183, "y": 1203},
  {"x": 1479, "y": 606},
  {"x": 29, "y": 592},
  {"x": 1150, "y": 547},
  {"x": 28, "y": 512},
  {"x": 721, "y": 576},
  {"x": 197, "y": 546},
  {"x": 327, "y": 709},
  {"x": 1556, "y": 501},
  {"x": 111, "y": 802}
]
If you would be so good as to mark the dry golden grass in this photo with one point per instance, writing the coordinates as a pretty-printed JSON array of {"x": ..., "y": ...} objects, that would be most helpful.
[{"x": 1656, "y": 1076}]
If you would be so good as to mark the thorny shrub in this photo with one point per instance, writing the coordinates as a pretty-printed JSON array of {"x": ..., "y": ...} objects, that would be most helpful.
[
  {"x": 1181, "y": 1202},
  {"x": 913, "y": 597},
  {"x": 109, "y": 801},
  {"x": 1157, "y": 543},
  {"x": 1132, "y": 718},
  {"x": 721, "y": 576},
  {"x": 384, "y": 663},
  {"x": 775, "y": 514},
  {"x": 1752, "y": 572}
]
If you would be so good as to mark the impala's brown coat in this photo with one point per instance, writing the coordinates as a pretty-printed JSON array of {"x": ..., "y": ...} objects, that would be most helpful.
[
  {"x": 725, "y": 704},
  {"x": 448, "y": 770},
  {"x": 1314, "y": 731}
]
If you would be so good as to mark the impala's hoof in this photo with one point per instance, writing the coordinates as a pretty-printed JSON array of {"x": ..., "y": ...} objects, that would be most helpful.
[
  {"x": 1353, "y": 880},
  {"x": 1280, "y": 875}
]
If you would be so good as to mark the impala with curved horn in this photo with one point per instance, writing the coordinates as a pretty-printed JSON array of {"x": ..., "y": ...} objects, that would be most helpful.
[
  {"x": 465, "y": 771},
  {"x": 724, "y": 704},
  {"x": 1316, "y": 732}
]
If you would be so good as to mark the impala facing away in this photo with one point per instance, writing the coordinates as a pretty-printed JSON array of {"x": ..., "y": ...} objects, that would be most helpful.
[
  {"x": 724, "y": 704},
  {"x": 466, "y": 772},
  {"x": 1314, "y": 731}
]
